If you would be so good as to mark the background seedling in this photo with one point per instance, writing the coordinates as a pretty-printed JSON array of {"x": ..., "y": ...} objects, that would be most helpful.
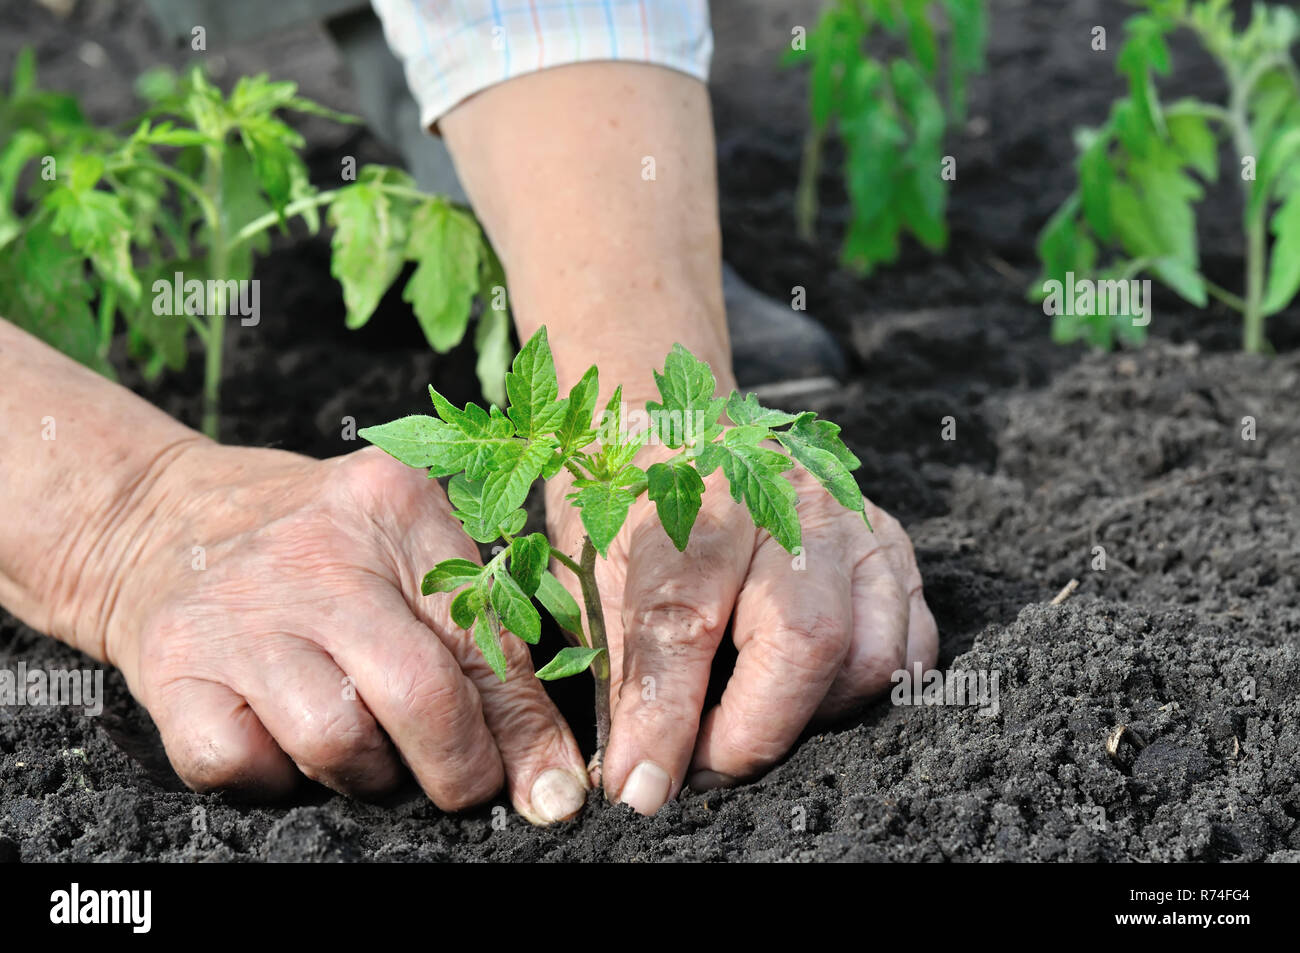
[
  {"x": 877, "y": 72},
  {"x": 1141, "y": 173},
  {"x": 193, "y": 188},
  {"x": 494, "y": 456}
]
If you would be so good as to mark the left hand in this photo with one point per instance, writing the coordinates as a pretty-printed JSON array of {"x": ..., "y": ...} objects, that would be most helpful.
[{"x": 816, "y": 636}]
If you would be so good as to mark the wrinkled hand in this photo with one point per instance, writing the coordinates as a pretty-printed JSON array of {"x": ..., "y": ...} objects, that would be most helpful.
[
  {"x": 304, "y": 644},
  {"x": 815, "y": 637}
]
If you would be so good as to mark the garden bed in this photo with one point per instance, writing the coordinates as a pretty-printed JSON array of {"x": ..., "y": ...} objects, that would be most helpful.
[{"x": 1189, "y": 635}]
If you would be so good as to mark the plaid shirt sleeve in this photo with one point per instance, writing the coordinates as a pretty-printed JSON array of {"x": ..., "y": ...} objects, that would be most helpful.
[{"x": 451, "y": 49}]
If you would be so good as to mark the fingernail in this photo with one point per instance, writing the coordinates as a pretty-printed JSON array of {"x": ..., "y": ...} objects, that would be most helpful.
[
  {"x": 708, "y": 780},
  {"x": 646, "y": 788},
  {"x": 556, "y": 796}
]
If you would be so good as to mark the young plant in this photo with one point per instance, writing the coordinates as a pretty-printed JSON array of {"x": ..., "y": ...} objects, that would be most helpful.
[
  {"x": 494, "y": 456},
  {"x": 1141, "y": 174},
  {"x": 161, "y": 225},
  {"x": 875, "y": 74}
]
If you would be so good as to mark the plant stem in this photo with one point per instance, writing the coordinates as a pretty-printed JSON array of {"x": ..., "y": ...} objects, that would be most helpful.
[
  {"x": 805, "y": 193},
  {"x": 218, "y": 262},
  {"x": 1252, "y": 340},
  {"x": 596, "y": 628},
  {"x": 107, "y": 309},
  {"x": 1236, "y": 302},
  {"x": 258, "y": 225}
]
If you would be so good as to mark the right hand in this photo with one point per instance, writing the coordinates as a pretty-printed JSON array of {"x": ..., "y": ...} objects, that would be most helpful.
[{"x": 305, "y": 646}]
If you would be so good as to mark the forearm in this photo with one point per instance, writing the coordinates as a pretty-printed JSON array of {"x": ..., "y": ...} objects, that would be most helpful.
[
  {"x": 618, "y": 265},
  {"x": 78, "y": 456}
]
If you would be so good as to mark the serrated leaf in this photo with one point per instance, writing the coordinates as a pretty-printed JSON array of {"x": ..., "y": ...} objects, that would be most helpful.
[
  {"x": 570, "y": 660},
  {"x": 506, "y": 489},
  {"x": 748, "y": 411},
  {"x": 576, "y": 430},
  {"x": 533, "y": 389},
  {"x": 562, "y": 607},
  {"x": 420, "y": 441},
  {"x": 515, "y": 609},
  {"x": 446, "y": 243},
  {"x": 487, "y": 636},
  {"x": 688, "y": 409},
  {"x": 368, "y": 247},
  {"x": 529, "y": 556},
  {"x": 603, "y": 509},
  {"x": 817, "y": 445},
  {"x": 450, "y": 574},
  {"x": 676, "y": 492},
  {"x": 754, "y": 474}
]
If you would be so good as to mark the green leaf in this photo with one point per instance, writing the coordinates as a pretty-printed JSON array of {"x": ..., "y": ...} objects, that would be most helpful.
[
  {"x": 817, "y": 445},
  {"x": 748, "y": 411},
  {"x": 515, "y": 608},
  {"x": 467, "y": 605},
  {"x": 44, "y": 291},
  {"x": 754, "y": 473},
  {"x": 420, "y": 441},
  {"x": 505, "y": 489},
  {"x": 604, "y": 509},
  {"x": 1284, "y": 265},
  {"x": 1191, "y": 133},
  {"x": 368, "y": 247},
  {"x": 557, "y": 601},
  {"x": 676, "y": 492},
  {"x": 533, "y": 390},
  {"x": 570, "y": 660},
  {"x": 576, "y": 430},
  {"x": 450, "y": 574},
  {"x": 512, "y": 523},
  {"x": 1182, "y": 278},
  {"x": 688, "y": 409},
  {"x": 492, "y": 336},
  {"x": 487, "y": 636},
  {"x": 271, "y": 144},
  {"x": 446, "y": 243},
  {"x": 1096, "y": 176},
  {"x": 529, "y": 556}
]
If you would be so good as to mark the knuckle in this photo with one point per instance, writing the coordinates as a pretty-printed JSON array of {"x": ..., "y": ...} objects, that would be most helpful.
[
  {"x": 871, "y": 672},
  {"x": 333, "y": 744},
  {"x": 205, "y": 765},
  {"x": 814, "y": 643},
  {"x": 674, "y": 626}
]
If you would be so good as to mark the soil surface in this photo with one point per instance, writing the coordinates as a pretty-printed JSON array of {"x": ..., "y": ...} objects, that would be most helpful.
[{"x": 1128, "y": 472}]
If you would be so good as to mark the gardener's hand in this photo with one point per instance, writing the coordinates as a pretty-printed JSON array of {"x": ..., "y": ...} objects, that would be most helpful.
[
  {"x": 817, "y": 634},
  {"x": 296, "y": 639}
]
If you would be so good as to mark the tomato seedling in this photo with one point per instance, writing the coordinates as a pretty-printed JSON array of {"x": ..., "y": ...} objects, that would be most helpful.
[
  {"x": 877, "y": 71},
  {"x": 175, "y": 211},
  {"x": 1142, "y": 172},
  {"x": 494, "y": 456}
]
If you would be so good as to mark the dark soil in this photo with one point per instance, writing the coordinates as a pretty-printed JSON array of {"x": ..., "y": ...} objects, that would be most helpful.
[{"x": 1188, "y": 635}]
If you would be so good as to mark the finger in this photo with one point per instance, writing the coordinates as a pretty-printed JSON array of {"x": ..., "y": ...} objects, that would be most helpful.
[
  {"x": 316, "y": 715},
  {"x": 215, "y": 741},
  {"x": 545, "y": 774},
  {"x": 675, "y": 610},
  {"x": 417, "y": 692},
  {"x": 922, "y": 631},
  {"x": 792, "y": 634},
  {"x": 888, "y": 601}
]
